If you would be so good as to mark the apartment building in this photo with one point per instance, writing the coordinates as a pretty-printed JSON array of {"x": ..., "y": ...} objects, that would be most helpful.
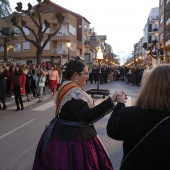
[
  {"x": 73, "y": 29},
  {"x": 150, "y": 34},
  {"x": 164, "y": 31}
]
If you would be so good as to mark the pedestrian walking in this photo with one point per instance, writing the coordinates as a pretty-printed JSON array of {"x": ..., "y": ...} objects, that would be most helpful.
[
  {"x": 144, "y": 128},
  {"x": 18, "y": 85},
  {"x": 53, "y": 79},
  {"x": 71, "y": 141},
  {"x": 40, "y": 83},
  {"x": 27, "y": 73}
]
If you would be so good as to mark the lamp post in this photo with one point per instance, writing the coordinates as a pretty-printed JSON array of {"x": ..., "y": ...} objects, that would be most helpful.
[
  {"x": 68, "y": 46},
  {"x": 97, "y": 91},
  {"x": 99, "y": 60}
]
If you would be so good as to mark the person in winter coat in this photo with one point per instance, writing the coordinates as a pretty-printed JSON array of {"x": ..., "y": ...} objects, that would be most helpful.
[
  {"x": 145, "y": 127},
  {"x": 18, "y": 85}
]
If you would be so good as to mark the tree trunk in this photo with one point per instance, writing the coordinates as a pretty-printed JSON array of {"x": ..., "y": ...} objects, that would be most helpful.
[
  {"x": 5, "y": 50},
  {"x": 39, "y": 56}
]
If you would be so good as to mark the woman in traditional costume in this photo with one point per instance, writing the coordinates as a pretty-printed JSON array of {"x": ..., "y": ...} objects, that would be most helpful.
[{"x": 70, "y": 142}]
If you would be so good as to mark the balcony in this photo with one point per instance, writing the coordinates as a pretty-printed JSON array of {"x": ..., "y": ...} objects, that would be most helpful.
[
  {"x": 60, "y": 36},
  {"x": 167, "y": 40},
  {"x": 151, "y": 41},
  {"x": 153, "y": 30},
  {"x": 153, "y": 18},
  {"x": 59, "y": 51}
]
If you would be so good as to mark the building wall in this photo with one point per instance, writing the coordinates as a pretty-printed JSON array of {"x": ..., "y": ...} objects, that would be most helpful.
[{"x": 51, "y": 49}]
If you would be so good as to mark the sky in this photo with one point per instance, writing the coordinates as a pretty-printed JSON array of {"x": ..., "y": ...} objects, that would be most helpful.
[{"x": 122, "y": 21}]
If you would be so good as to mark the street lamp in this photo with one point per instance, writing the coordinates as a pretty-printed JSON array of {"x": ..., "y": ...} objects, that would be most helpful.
[
  {"x": 68, "y": 46},
  {"x": 99, "y": 60},
  {"x": 97, "y": 91}
]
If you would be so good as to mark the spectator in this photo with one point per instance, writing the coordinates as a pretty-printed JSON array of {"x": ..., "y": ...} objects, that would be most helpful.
[{"x": 144, "y": 128}]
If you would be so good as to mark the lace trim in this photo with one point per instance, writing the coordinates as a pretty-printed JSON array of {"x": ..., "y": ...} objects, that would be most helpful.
[{"x": 75, "y": 93}]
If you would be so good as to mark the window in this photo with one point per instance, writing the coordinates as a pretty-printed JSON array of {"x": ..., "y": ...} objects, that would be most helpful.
[
  {"x": 47, "y": 47},
  {"x": 73, "y": 47},
  {"x": 26, "y": 31},
  {"x": 26, "y": 46},
  {"x": 17, "y": 47},
  {"x": 72, "y": 30},
  {"x": 17, "y": 31},
  {"x": 59, "y": 47},
  {"x": 161, "y": 19},
  {"x": 161, "y": 37},
  {"x": 161, "y": 2}
]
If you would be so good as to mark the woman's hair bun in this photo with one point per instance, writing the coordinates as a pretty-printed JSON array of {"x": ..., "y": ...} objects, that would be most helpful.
[{"x": 72, "y": 67}]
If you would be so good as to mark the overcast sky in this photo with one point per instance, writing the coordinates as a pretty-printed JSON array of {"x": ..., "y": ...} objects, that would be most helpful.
[{"x": 122, "y": 21}]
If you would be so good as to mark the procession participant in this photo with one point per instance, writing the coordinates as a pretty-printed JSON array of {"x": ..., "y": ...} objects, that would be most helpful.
[{"x": 71, "y": 141}]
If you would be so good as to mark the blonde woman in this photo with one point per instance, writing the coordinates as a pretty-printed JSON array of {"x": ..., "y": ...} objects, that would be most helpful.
[{"x": 145, "y": 127}]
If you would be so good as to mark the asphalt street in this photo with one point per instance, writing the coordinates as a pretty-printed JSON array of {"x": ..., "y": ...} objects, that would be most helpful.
[{"x": 20, "y": 131}]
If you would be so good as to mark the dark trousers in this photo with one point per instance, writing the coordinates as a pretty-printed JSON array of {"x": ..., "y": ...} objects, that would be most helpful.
[
  {"x": 18, "y": 97},
  {"x": 3, "y": 103}
]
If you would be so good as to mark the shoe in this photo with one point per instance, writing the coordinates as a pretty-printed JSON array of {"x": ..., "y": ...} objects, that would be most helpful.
[
  {"x": 0, "y": 107},
  {"x": 22, "y": 108},
  {"x": 33, "y": 97},
  {"x": 4, "y": 107},
  {"x": 17, "y": 109},
  {"x": 39, "y": 101},
  {"x": 28, "y": 100}
]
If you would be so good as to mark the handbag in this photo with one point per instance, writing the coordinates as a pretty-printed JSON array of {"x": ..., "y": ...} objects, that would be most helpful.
[{"x": 147, "y": 134}]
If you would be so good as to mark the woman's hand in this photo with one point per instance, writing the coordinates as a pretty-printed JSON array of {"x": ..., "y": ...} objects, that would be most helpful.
[{"x": 120, "y": 96}]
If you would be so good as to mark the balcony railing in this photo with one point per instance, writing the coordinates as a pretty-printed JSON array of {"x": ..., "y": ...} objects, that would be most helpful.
[
  {"x": 153, "y": 30},
  {"x": 153, "y": 18},
  {"x": 151, "y": 41},
  {"x": 59, "y": 51}
]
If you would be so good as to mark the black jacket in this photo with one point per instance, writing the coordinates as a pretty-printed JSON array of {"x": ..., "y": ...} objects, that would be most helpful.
[
  {"x": 131, "y": 124},
  {"x": 79, "y": 111}
]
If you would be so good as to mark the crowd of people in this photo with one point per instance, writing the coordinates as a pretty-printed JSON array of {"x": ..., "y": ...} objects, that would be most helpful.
[
  {"x": 21, "y": 79},
  {"x": 131, "y": 75}
]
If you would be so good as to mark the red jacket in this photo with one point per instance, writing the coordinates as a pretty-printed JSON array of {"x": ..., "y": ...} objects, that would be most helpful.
[{"x": 22, "y": 81}]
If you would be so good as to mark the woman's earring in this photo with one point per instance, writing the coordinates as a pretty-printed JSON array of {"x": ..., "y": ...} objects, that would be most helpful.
[{"x": 77, "y": 82}]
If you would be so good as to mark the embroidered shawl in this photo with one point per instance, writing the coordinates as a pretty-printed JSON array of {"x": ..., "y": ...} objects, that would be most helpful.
[{"x": 68, "y": 91}]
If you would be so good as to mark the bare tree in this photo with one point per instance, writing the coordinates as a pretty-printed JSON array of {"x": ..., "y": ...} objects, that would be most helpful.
[{"x": 39, "y": 24}]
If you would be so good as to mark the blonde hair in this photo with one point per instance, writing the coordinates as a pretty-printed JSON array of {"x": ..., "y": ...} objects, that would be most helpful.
[{"x": 155, "y": 93}]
